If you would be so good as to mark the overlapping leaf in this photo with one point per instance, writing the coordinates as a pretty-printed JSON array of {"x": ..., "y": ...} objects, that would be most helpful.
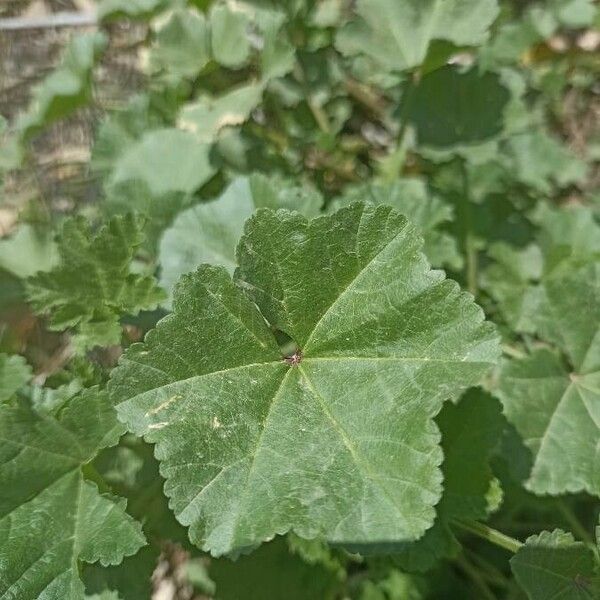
[
  {"x": 554, "y": 402},
  {"x": 93, "y": 286},
  {"x": 336, "y": 440},
  {"x": 398, "y": 35},
  {"x": 410, "y": 197},
  {"x": 51, "y": 517},
  {"x": 470, "y": 429},
  {"x": 209, "y": 232},
  {"x": 553, "y": 565},
  {"x": 14, "y": 373}
]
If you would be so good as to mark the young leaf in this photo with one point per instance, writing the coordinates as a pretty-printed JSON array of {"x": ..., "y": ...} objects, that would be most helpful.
[
  {"x": 337, "y": 439},
  {"x": 397, "y": 35},
  {"x": 14, "y": 373},
  {"x": 92, "y": 286},
  {"x": 51, "y": 517},
  {"x": 553, "y": 565},
  {"x": 209, "y": 232},
  {"x": 555, "y": 406}
]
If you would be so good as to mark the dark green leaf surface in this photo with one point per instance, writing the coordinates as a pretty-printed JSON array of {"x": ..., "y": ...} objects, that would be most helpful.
[
  {"x": 339, "y": 441},
  {"x": 50, "y": 516},
  {"x": 271, "y": 572},
  {"x": 552, "y": 565},
  {"x": 470, "y": 431}
]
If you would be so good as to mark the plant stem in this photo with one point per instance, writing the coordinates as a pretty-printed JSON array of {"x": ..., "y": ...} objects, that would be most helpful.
[
  {"x": 512, "y": 351},
  {"x": 491, "y": 535},
  {"x": 468, "y": 240},
  {"x": 475, "y": 577},
  {"x": 574, "y": 522}
]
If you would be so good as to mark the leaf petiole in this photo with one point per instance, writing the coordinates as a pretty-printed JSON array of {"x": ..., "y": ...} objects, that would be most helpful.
[{"x": 491, "y": 535}]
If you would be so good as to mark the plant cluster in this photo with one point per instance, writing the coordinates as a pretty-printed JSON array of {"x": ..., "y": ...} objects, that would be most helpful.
[{"x": 331, "y": 328}]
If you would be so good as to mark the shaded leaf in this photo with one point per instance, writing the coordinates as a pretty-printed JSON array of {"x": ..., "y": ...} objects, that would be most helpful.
[
  {"x": 554, "y": 406},
  {"x": 51, "y": 517},
  {"x": 451, "y": 108},
  {"x": 273, "y": 572},
  {"x": 553, "y": 565}
]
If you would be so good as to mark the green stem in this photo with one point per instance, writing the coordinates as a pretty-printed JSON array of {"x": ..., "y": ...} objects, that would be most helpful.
[
  {"x": 468, "y": 239},
  {"x": 491, "y": 535},
  {"x": 475, "y": 577},
  {"x": 574, "y": 523}
]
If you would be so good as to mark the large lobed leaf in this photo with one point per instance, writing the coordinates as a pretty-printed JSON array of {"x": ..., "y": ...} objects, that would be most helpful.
[
  {"x": 554, "y": 403},
  {"x": 338, "y": 439},
  {"x": 397, "y": 35},
  {"x": 50, "y": 516}
]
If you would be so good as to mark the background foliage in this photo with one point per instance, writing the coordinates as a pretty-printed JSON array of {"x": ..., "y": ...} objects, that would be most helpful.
[{"x": 476, "y": 119}]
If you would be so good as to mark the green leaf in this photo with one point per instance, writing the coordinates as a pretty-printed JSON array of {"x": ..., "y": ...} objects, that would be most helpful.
[
  {"x": 14, "y": 374},
  {"x": 511, "y": 280},
  {"x": 410, "y": 197},
  {"x": 93, "y": 286},
  {"x": 166, "y": 160},
  {"x": 181, "y": 47},
  {"x": 554, "y": 406},
  {"x": 209, "y": 232},
  {"x": 398, "y": 35},
  {"x": 553, "y": 565},
  {"x": 229, "y": 35},
  {"x": 451, "y": 108},
  {"x": 28, "y": 251},
  {"x": 207, "y": 116},
  {"x": 130, "y": 580},
  {"x": 65, "y": 89},
  {"x": 51, "y": 517},
  {"x": 470, "y": 429},
  {"x": 337, "y": 440},
  {"x": 271, "y": 572},
  {"x": 542, "y": 162},
  {"x": 109, "y": 10}
]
